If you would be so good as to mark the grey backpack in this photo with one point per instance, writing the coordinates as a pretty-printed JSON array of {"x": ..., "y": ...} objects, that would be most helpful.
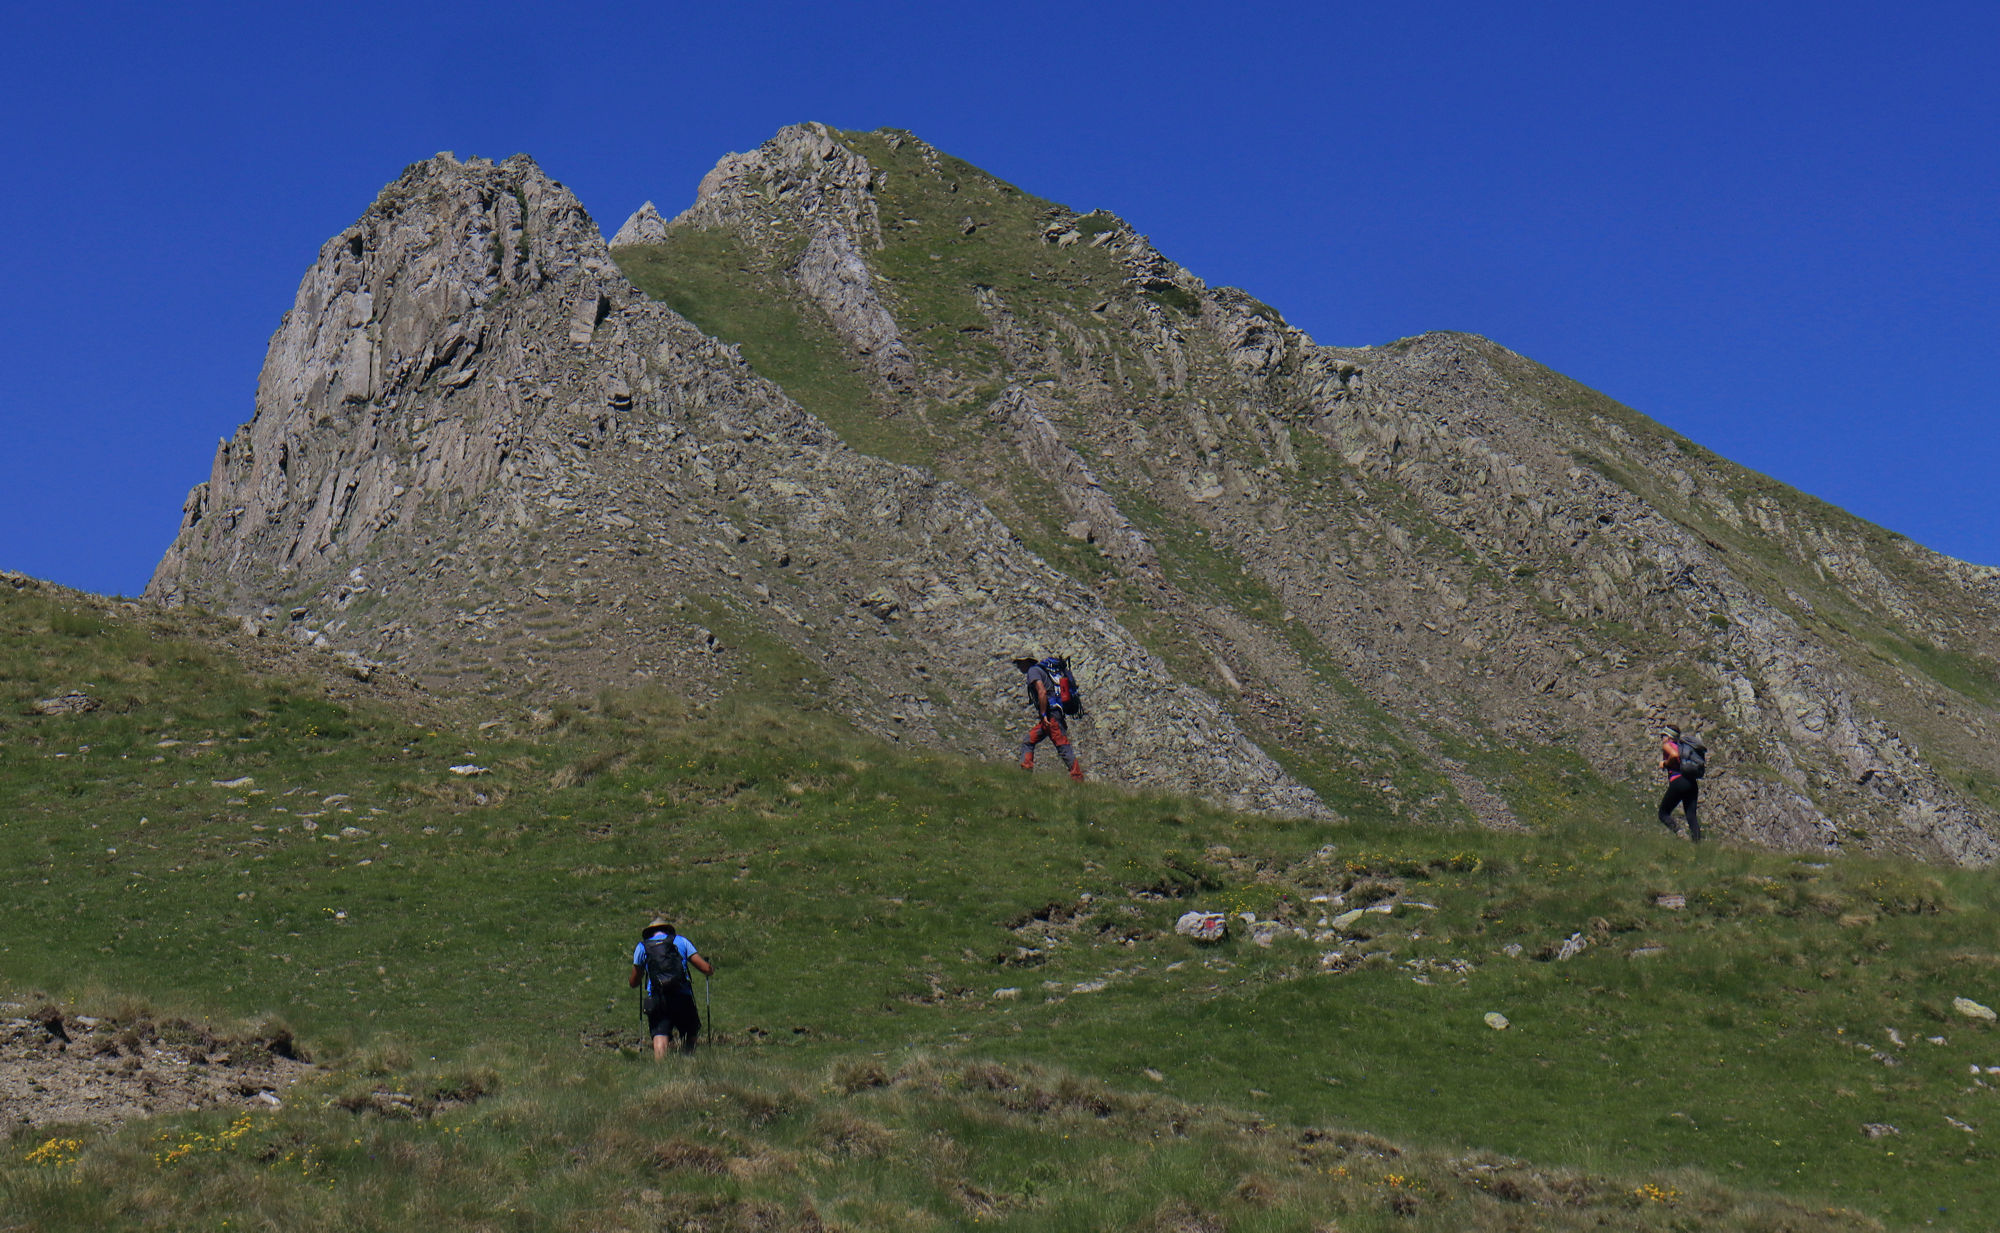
[{"x": 1694, "y": 756}]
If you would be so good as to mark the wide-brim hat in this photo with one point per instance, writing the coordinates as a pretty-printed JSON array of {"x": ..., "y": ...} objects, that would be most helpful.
[
  {"x": 1025, "y": 659},
  {"x": 658, "y": 922}
]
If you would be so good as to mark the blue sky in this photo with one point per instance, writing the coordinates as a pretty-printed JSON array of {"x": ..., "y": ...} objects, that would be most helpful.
[{"x": 1774, "y": 227}]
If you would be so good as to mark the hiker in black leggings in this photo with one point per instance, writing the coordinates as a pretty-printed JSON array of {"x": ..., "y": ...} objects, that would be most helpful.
[{"x": 1682, "y": 790}]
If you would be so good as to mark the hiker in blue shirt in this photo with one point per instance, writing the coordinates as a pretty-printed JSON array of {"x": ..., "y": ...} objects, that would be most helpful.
[{"x": 661, "y": 960}]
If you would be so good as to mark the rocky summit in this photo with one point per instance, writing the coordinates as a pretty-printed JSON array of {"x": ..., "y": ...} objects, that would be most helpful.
[{"x": 864, "y": 421}]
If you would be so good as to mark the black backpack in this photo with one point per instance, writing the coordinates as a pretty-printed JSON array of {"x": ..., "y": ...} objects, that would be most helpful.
[
  {"x": 666, "y": 971},
  {"x": 1694, "y": 756}
]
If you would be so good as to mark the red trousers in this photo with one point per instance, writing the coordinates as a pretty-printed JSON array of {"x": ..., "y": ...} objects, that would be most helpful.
[{"x": 1051, "y": 727}]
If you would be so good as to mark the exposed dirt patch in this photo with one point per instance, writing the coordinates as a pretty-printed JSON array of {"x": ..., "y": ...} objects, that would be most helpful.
[{"x": 55, "y": 1069}]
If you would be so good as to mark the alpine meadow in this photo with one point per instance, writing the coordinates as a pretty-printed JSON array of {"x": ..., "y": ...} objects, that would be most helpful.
[{"x": 556, "y": 582}]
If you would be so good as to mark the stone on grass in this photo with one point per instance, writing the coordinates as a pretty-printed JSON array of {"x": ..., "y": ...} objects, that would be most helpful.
[
  {"x": 468, "y": 769},
  {"x": 1202, "y": 926},
  {"x": 241, "y": 781},
  {"x": 72, "y": 703},
  {"x": 1878, "y": 1130},
  {"x": 1572, "y": 946},
  {"x": 1972, "y": 1010},
  {"x": 1496, "y": 1021}
]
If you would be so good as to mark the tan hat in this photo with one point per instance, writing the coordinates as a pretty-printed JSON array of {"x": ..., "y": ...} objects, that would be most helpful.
[
  {"x": 658, "y": 922},
  {"x": 1026, "y": 657}
]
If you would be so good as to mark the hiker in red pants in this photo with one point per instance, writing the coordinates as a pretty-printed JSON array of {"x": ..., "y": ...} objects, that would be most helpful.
[{"x": 1043, "y": 679}]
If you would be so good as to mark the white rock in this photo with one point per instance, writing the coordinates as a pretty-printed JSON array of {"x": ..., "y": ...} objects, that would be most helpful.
[
  {"x": 1004, "y": 995},
  {"x": 1572, "y": 946},
  {"x": 242, "y": 782},
  {"x": 1345, "y": 919},
  {"x": 644, "y": 227},
  {"x": 1496, "y": 1021},
  {"x": 1972, "y": 1010},
  {"x": 1202, "y": 926},
  {"x": 1088, "y": 986},
  {"x": 468, "y": 769}
]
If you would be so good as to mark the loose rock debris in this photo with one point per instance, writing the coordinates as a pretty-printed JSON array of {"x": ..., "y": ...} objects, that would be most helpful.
[{"x": 57, "y": 1069}]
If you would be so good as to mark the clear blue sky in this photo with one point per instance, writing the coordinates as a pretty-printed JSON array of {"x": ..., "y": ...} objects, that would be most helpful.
[{"x": 1774, "y": 227}]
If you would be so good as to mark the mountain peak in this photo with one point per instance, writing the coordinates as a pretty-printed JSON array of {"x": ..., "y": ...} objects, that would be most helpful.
[{"x": 863, "y": 416}]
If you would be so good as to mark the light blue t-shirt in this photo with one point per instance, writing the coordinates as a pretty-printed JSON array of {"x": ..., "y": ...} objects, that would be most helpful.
[{"x": 685, "y": 947}]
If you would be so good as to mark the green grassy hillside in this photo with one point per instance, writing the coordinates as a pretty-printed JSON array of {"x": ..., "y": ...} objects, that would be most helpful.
[{"x": 947, "y": 994}]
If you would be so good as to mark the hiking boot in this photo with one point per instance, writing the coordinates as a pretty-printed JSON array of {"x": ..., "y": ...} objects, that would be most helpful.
[
  {"x": 1028, "y": 763},
  {"x": 1076, "y": 770}
]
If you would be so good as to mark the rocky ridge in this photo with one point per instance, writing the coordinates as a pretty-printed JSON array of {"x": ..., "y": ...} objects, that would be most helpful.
[
  {"x": 480, "y": 455},
  {"x": 1486, "y": 559},
  {"x": 1433, "y": 577}
]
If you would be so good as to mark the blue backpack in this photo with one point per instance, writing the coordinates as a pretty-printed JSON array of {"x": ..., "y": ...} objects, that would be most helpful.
[{"x": 1066, "y": 694}]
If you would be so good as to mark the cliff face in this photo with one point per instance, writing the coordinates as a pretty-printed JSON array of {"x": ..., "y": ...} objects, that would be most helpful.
[
  {"x": 478, "y": 452},
  {"x": 1437, "y": 580}
]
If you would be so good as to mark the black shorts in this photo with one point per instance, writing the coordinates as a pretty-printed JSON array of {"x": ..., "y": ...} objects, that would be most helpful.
[{"x": 674, "y": 1015}]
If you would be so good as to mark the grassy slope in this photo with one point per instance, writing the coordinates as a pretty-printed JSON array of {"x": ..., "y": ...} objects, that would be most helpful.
[{"x": 864, "y": 906}]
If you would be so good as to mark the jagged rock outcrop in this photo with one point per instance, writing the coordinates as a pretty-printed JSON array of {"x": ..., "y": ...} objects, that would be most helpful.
[
  {"x": 1096, "y": 516},
  {"x": 479, "y": 454},
  {"x": 644, "y": 227}
]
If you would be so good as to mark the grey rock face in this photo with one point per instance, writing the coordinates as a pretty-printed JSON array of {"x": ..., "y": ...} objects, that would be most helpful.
[
  {"x": 479, "y": 455},
  {"x": 644, "y": 227},
  {"x": 1097, "y": 517},
  {"x": 832, "y": 272}
]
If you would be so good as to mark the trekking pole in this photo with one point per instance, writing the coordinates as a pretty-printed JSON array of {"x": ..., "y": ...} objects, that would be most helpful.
[{"x": 708, "y": 995}]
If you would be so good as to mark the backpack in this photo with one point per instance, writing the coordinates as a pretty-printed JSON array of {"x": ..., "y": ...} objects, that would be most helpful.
[
  {"x": 1064, "y": 691},
  {"x": 1694, "y": 756},
  {"x": 666, "y": 971}
]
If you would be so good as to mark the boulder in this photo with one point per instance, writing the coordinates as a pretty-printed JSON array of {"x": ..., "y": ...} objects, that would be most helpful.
[
  {"x": 1202, "y": 926},
  {"x": 1972, "y": 1010},
  {"x": 72, "y": 703}
]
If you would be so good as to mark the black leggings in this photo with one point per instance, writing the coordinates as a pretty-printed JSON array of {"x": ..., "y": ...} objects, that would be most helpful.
[{"x": 1687, "y": 793}]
